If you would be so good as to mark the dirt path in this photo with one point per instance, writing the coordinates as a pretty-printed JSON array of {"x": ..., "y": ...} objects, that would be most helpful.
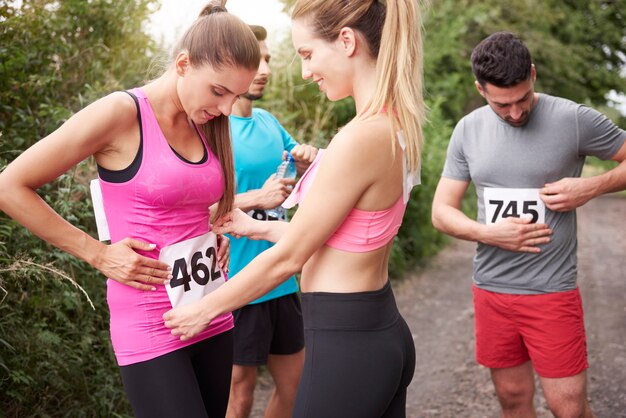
[{"x": 436, "y": 303}]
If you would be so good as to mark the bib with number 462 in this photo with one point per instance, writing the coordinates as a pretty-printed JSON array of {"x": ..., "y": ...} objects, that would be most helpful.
[
  {"x": 503, "y": 203},
  {"x": 195, "y": 269}
]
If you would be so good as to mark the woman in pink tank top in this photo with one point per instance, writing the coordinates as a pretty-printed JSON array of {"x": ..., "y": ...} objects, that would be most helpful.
[
  {"x": 164, "y": 156},
  {"x": 359, "y": 355}
]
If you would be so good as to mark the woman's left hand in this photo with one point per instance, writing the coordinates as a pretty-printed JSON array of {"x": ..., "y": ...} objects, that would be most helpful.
[
  {"x": 187, "y": 321},
  {"x": 236, "y": 223},
  {"x": 223, "y": 252}
]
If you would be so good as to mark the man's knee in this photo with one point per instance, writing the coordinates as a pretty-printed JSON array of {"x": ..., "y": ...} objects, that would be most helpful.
[
  {"x": 570, "y": 404},
  {"x": 242, "y": 384},
  {"x": 567, "y": 397},
  {"x": 515, "y": 387},
  {"x": 513, "y": 395}
]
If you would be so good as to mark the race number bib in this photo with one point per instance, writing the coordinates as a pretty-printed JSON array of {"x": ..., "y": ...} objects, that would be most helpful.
[
  {"x": 505, "y": 203},
  {"x": 98, "y": 211},
  {"x": 194, "y": 269},
  {"x": 262, "y": 215}
]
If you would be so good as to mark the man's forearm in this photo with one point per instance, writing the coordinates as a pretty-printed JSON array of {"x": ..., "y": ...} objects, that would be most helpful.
[
  {"x": 452, "y": 221},
  {"x": 612, "y": 181},
  {"x": 248, "y": 200}
]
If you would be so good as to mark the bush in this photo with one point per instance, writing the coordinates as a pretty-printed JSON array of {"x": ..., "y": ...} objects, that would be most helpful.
[{"x": 55, "y": 57}]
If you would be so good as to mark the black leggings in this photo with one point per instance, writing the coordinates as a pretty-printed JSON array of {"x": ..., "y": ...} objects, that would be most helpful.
[
  {"x": 191, "y": 382},
  {"x": 359, "y": 356}
]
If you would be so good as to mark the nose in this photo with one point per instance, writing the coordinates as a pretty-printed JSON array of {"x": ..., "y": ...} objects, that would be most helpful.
[
  {"x": 516, "y": 112},
  {"x": 264, "y": 68},
  {"x": 226, "y": 107}
]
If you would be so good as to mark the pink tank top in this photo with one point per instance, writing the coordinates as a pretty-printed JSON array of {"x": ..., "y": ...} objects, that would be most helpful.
[
  {"x": 362, "y": 230},
  {"x": 165, "y": 202}
]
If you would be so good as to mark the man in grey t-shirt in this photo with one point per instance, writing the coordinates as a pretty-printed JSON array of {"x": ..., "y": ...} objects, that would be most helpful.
[{"x": 524, "y": 152}]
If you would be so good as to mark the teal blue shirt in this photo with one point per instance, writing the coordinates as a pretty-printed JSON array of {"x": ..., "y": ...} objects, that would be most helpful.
[{"x": 258, "y": 145}]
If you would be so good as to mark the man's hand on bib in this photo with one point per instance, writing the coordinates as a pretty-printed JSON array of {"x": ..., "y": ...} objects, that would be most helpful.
[
  {"x": 187, "y": 321},
  {"x": 121, "y": 263},
  {"x": 517, "y": 234},
  {"x": 567, "y": 194}
]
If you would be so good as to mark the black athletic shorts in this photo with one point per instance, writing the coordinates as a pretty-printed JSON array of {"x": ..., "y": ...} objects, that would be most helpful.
[{"x": 270, "y": 327}]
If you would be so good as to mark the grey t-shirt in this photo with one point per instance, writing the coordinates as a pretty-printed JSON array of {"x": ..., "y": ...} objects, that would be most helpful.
[{"x": 497, "y": 157}]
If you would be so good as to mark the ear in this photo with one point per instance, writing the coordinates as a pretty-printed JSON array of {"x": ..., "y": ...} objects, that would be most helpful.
[
  {"x": 479, "y": 88},
  {"x": 533, "y": 73},
  {"x": 347, "y": 40},
  {"x": 182, "y": 63}
]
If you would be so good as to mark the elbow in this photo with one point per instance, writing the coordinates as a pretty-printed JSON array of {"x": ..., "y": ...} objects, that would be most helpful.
[
  {"x": 285, "y": 264},
  {"x": 292, "y": 265},
  {"x": 5, "y": 192},
  {"x": 435, "y": 218}
]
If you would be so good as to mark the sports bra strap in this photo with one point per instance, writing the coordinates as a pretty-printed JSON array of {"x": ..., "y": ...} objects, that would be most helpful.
[{"x": 410, "y": 179}]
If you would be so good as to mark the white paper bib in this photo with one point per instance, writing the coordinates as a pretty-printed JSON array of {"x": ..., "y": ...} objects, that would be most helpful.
[
  {"x": 195, "y": 269},
  {"x": 98, "y": 211},
  {"x": 503, "y": 203}
]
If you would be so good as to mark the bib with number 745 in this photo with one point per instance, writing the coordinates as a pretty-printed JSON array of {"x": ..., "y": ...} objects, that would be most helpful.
[
  {"x": 503, "y": 203},
  {"x": 195, "y": 269}
]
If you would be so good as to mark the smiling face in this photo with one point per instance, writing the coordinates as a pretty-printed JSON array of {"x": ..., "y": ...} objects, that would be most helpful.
[
  {"x": 512, "y": 104},
  {"x": 325, "y": 63},
  {"x": 206, "y": 93}
]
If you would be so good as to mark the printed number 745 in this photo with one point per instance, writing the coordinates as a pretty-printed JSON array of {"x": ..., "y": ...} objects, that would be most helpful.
[{"x": 511, "y": 209}]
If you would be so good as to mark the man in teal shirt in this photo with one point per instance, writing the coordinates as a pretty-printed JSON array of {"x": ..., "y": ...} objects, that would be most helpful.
[{"x": 269, "y": 330}]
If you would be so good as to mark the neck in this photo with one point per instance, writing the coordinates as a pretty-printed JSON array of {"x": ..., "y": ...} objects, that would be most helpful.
[
  {"x": 164, "y": 99},
  {"x": 364, "y": 85},
  {"x": 242, "y": 108}
]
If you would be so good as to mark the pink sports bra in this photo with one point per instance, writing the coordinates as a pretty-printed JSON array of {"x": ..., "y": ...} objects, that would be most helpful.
[{"x": 362, "y": 230}]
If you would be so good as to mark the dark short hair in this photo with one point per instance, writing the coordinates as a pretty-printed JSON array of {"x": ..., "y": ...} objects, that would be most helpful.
[
  {"x": 259, "y": 32},
  {"x": 501, "y": 59}
]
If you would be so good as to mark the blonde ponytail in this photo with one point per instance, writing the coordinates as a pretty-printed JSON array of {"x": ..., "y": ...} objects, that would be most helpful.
[{"x": 399, "y": 68}]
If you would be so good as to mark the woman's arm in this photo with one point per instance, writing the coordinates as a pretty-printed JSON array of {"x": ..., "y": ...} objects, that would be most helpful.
[
  {"x": 91, "y": 131},
  {"x": 338, "y": 186},
  {"x": 239, "y": 224}
]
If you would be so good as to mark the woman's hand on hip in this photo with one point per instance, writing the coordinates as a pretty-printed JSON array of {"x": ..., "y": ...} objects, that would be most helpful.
[{"x": 122, "y": 263}]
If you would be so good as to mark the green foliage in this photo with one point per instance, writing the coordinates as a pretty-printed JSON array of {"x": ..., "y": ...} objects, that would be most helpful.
[
  {"x": 577, "y": 46},
  {"x": 55, "y": 57},
  {"x": 58, "y": 55}
]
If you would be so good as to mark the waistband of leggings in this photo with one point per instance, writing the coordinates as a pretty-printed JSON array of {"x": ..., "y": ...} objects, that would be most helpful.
[{"x": 350, "y": 311}]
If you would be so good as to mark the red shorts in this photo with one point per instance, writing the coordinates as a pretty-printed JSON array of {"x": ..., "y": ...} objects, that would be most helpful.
[{"x": 547, "y": 329}]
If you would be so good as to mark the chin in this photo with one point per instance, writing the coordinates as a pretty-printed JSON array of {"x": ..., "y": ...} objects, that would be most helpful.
[{"x": 334, "y": 97}]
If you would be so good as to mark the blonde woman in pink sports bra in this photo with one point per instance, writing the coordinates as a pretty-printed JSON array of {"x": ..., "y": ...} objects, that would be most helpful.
[
  {"x": 359, "y": 355},
  {"x": 164, "y": 156}
]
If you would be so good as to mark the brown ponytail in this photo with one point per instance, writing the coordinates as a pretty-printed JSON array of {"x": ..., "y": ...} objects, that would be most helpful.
[{"x": 220, "y": 40}]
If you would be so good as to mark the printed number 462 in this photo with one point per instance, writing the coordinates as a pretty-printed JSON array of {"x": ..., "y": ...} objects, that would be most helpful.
[
  {"x": 511, "y": 209},
  {"x": 200, "y": 272}
]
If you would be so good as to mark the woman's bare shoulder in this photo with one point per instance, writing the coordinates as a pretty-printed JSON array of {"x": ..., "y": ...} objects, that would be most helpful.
[{"x": 372, "y": 134}]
